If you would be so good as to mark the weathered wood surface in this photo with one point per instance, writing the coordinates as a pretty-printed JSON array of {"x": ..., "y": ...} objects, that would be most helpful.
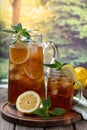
[{"x": 5, "y": 125}]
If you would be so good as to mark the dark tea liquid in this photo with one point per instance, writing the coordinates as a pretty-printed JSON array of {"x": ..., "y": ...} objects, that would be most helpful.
[
  {"x": 25, "y": 71},
  {"x": 60, "y": 90}
]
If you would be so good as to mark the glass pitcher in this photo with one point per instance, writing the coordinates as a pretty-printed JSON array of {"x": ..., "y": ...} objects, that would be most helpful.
[{"x": 26, "y": 69}]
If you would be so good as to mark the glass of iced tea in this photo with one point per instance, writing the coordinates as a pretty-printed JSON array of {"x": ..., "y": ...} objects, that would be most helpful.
[
  {"x": 60, "y": 90},
  {"x": 26, "y": 69}
]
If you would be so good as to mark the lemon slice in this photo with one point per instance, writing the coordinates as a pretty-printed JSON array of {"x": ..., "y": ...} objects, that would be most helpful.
[
  {"x": 28, "y": 102},
  {"x": 19, "y": 53},
  {"x": 33, "y": 68},
  {"x": 70, "y": 72}
]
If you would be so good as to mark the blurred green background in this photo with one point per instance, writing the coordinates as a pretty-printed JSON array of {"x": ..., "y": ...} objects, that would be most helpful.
[{"x": 63, "y": 22}]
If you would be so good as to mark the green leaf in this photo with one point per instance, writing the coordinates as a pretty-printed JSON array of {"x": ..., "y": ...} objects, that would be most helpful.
[
  {"x": 17, "y": 27},
  {"x": 9, "y": 31},
  {"x": 40, "y": 112},
  {"x": 50, "y": 65},
  {"x": 46, "y": 116},
  {"x": 46, "y": 103},
  {"x": 58, "y": 111},
  {"x": 25, "y": 33},
  {"x": 56, "y": 65},
  {"x": 64, "y": 64}
]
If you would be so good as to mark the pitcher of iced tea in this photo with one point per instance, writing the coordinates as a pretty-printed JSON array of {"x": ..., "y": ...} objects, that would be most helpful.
[{"x": 26, "y": 69}]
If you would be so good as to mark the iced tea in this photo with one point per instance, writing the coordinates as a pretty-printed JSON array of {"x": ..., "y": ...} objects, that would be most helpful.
[
  {"x": 60, "y": 90},
  {"x": 25, "y": 70}
]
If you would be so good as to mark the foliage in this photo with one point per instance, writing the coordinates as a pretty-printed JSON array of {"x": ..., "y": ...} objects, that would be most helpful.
[
  {"x": 70, "y": 18},
  {"x": 3, "y": 68},
  {"x": 75, "y": 54},
  {"x": 3, "y": 53},
  {"x": 3, "y": 45},
  {"x": 65, "y": 19}
]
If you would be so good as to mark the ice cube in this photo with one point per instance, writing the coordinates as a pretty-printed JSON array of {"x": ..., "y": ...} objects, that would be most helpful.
[
  {"x": 54, "y": 91},
  {"x": 12, "y": 77},
  {"x": 12, "y": 66},
  {"x": 18, "y": 77}
]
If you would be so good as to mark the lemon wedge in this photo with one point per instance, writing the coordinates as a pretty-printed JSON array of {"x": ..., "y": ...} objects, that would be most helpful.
[
  {"x": 28, "y": 102},
  {"x": 70, "y": 72}
]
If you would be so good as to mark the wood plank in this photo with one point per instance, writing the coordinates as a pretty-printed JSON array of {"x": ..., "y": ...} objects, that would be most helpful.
[
  {"x": 19, "y": 127},
  {"x": 81, "y": 125},
  {"x": 66, "y": 127},
  {"x": 3, "y": 95},
  {"x": 4, "y": 125}
]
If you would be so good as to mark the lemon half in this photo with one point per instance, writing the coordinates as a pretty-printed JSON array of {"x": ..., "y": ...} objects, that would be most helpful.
[{"x": 28, "y": 102}]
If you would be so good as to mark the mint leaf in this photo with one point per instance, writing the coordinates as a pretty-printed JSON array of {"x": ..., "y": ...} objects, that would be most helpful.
[
  {"x": 40, "y": 112},
  {"x": 25, "y": 33},
  {"x": 46, "y": 116},
  {"x": 9, "y": 31},
  {"x": 19, "y": 32},
  {"x": 51, "y": 65},
  {"x": 45, "y": 111},
  {"x": 17, "y": 27},
  {"x": 46, "y": 103},
  {"x": 65, "y": 64},
  {"x": 56, "y": 65},
  {"x": 58, "y": 111}
]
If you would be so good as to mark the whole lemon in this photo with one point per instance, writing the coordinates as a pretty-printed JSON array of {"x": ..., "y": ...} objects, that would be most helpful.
[{"x": 81, "y": 74}]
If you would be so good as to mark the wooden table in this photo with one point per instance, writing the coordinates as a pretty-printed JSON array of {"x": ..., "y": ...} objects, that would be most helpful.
[{"x": 5, "y": 125}]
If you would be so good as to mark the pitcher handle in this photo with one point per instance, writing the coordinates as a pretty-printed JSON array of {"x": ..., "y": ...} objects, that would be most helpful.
[
  {"x": 55, "y": 53},
  {"x": 55, "y": 50}
]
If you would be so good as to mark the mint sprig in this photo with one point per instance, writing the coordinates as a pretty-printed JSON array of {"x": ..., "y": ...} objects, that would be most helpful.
[
  {"x": 45, "y": 111},
  {"x": 58, "y": 65},
  {"x": 19, "y": 31}
]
